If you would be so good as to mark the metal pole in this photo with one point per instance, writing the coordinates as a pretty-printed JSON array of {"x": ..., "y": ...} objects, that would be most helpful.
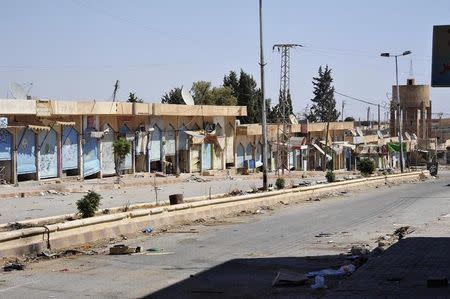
[
  {"x": 263, "y": 114},
  {"x": 399, "y": 116}
]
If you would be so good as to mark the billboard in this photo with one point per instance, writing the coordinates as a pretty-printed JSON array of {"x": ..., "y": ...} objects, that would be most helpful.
[{"x": 440, "y": 68}]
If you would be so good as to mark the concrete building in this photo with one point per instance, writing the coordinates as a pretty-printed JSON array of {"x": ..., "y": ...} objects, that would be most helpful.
[
  {"x": 46, "y": 139},
  {"x": 415, "y": 108},
  {"x": 339, "y": 149},
  {"x": 248, "y": 146}
]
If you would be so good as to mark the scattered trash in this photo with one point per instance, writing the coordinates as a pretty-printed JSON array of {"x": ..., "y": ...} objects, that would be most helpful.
[
  {"x": 52, "y": 192},
  {"x": 258, "y": 212},
  {"x": 360, "y": 250},
  {"x": 289, "y": 278},
  {"x": 123, "y": 249},
  {"x": 321, "y": 235},
  {"x": 304, "y": 184},
  {"x": 236, "y": 192},
  {"x": 401, "y": 232},
  {"x": 64, "y": 270},
  {"x": 14, "y": 266},
  {"x": 437, "y": 282},
  {"x": 343, "y": 270},
  {"x": 317, "y": 199},
  {"x": 147, "y": 230},
  {"x": 319, "y": 283},
  {"x": 155, "y": 249},
  {"x": 196, "y": 178}
]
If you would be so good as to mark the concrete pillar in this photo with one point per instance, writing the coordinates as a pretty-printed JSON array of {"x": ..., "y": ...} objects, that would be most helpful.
[
  {"x": 100, "y": 155},
  {"x": 59, "y": 150},
  {"x": 133, "y": 156},
  {"x": 177, "y": 153},
  {"x": 14, "y": 159},
  {"x": 80, "y": 150},
  {"x": 163, "y": 152},
  {"x": 38, "y": 157}
]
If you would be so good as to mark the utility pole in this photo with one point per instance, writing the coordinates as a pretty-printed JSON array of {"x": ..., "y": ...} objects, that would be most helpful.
[
  {"x": 263, "y": 114},
  {"x": 283, "y": 150},
  {"x": 379, "y": 120},
  {"x": 368, "y": 115},
  {"x": 116, "y": 87},
  {"x": 342, "y": 113}
]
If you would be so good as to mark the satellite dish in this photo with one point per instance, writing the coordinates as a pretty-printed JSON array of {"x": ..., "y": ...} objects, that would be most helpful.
[
  {"x": 187, "y": 98},
  {"x": 17, "y": 91},
  {"x": 414, "y": 136},
  {"x": 380, "y": 135},
  {"x": 360, "y": 133},
  {"x": 408, "y": 136},
  {"x": 293, "y": 119}
]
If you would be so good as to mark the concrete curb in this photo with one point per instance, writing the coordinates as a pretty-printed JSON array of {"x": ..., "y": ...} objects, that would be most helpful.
[{"x": 80, "y": 231}]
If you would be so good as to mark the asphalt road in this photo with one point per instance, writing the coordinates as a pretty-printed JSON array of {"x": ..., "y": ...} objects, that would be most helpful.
[
  {"x": 251, "y": 248},
  {"x": 16, "y": 209}
]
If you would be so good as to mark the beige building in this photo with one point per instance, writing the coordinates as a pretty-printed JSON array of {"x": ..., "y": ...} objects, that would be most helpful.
[
  {"x": 46, "y": 139},
  {"x": 415, "y": 107}
]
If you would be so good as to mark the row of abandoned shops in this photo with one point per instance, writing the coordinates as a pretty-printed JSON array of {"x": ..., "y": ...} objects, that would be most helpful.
[{"x": 46, "y": 139}]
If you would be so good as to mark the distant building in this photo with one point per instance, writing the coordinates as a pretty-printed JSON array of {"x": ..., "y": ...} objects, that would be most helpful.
[{"x": 415, "y": 107}]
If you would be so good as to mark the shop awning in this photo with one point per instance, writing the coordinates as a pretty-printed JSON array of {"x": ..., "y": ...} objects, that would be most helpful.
[
  {"x": 38, "y": 128},
  {"x": 65, "y": 123},
  {"x": 318, "y": 148},
  {"x": 395, "y": 147},
  {"x": 197, "y": 137}
]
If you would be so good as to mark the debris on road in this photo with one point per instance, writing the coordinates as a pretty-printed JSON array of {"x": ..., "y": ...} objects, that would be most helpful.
[
  {"x": 123, "y": 249},
  {"x": 319, "y": 283},
  {"x": 236, "y": 192},
  {"x": 191, "y": 231},
  {"x": 360, "y": 249},
  {"x": 289, "y": 278},
  {"x": 14, "y": 266},
  {"x": 154, "y": 249},
  {"x": 343, "y": 270},
  {"x": 196, "y": 178},
  {"x": 147, "y": 230},
  {"x": 321, "y": 235},
  {"x": 401, "y": 232}
]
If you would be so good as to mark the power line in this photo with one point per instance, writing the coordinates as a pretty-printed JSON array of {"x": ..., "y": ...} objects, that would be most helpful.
[{"x": 357, "y": 99}]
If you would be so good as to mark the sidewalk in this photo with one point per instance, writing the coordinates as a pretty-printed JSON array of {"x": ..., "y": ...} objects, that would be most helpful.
[
  {"x": 403, "y": 270},
  {"x": 72, "y": 185}
]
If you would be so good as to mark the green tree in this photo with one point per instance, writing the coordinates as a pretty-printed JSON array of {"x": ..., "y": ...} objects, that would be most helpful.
[
  {"x": 349, "y": 118},
  {"x": 201, "y": 91},
  {"x": 172, "y": 97},
  {"x": 132, "y": 98},
  {"x": 121, "y": 149},
  {"x": 231, "y": 80},
  {"x": 223, "y": 96},
  {"x": 247, "y": 94},
  {"x": 323, "y": 108}
]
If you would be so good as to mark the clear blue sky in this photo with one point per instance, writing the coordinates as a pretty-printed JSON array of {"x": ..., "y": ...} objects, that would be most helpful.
[{"x": 76, "y": 49}]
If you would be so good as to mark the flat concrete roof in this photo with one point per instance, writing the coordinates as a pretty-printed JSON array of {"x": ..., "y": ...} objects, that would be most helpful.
[{"x": 47, "y": 107}]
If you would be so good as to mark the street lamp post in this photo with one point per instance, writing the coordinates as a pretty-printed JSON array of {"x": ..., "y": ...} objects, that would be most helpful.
[
  {"x": 399, "y": 114},
  {"x": 263, "y": 114}
]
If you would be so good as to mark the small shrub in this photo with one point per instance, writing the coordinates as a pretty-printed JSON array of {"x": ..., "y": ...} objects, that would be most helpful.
[
  {"x": 366, "y": 166},
  {"x": 88, "y": 205},
  {"x": 330, "y": 176},
  {"x": 280, "y": 183}
]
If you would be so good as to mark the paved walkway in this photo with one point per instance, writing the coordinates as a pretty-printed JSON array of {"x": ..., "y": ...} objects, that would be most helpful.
[{"x": 403, "y": 270}]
